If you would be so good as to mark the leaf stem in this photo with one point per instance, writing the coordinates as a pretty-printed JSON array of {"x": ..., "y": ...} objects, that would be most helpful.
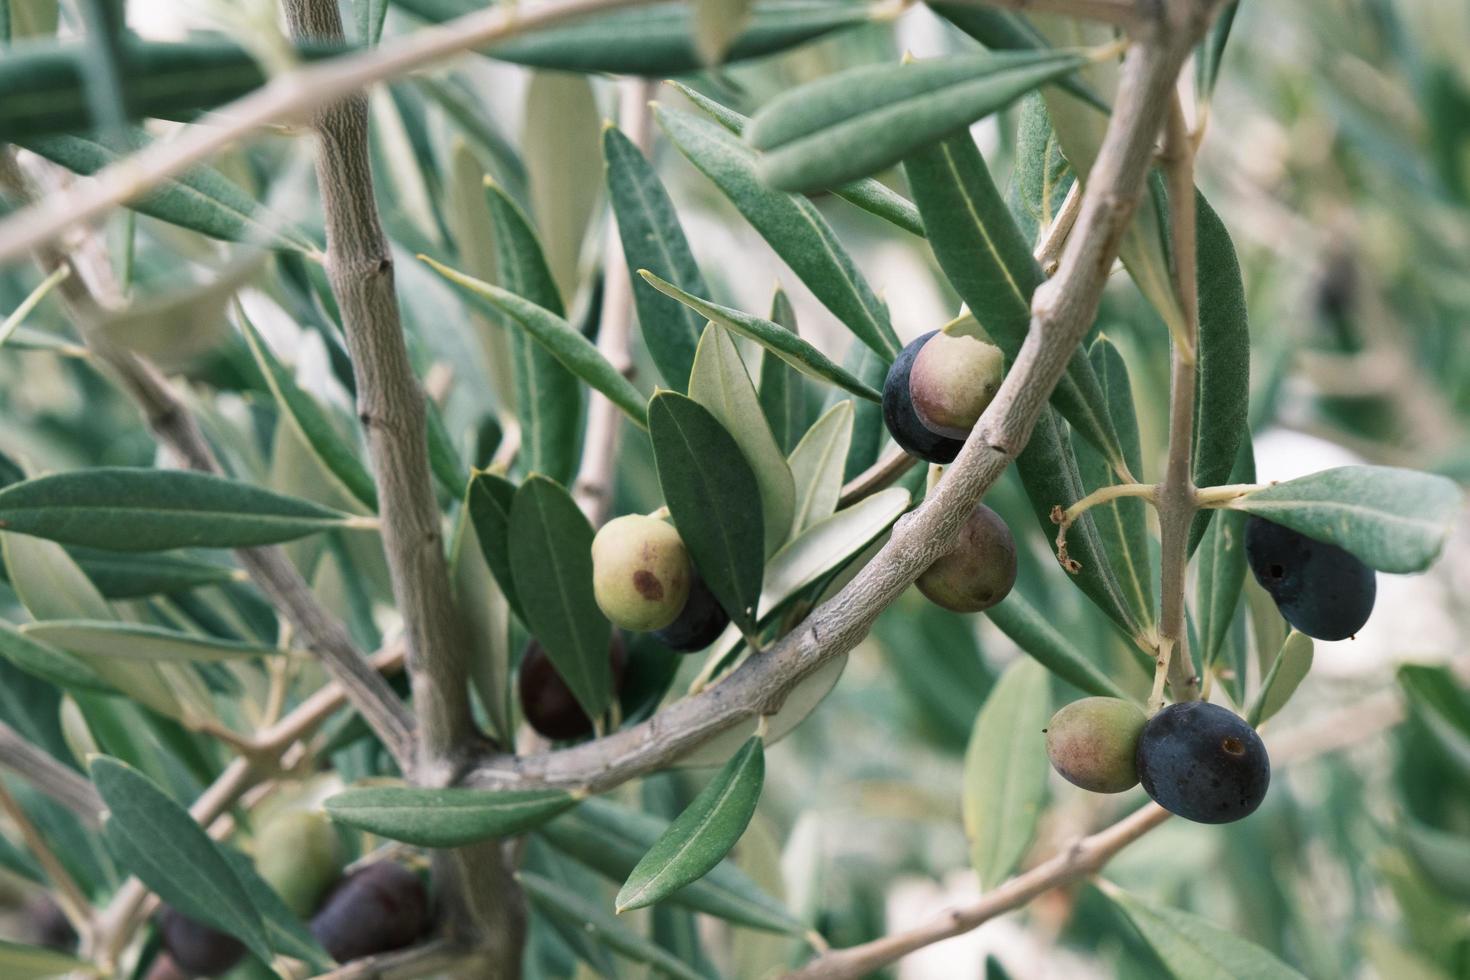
[
  {"x": 1224, "y": 496},
  {"x": 1064, "y": 519}
]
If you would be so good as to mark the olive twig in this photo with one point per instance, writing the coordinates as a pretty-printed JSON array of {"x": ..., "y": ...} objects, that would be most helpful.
[
  {"x": 1224, "y": 496},
  {"x": 1065, "y": 518}
]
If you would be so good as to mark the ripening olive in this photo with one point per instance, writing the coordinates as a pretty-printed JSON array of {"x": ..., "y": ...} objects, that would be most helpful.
[
  {"x": 952, "y": 381},
  {"x": 1203, "y": 763},
  {"x": 197, "y": 949},
  {"x": 299, "y": 855},
  {"x": 700, "y": 622},
  {"x": 903, "y": 421},
  {"x": 376, "y": 909},
  {"x": 979, "y": 570},
  {"x": 1319, "y": 588},
  {"x": 1093, "y": 743},
  {"x": 640, "y": 572},
  {"x": 548, "y": 703}
]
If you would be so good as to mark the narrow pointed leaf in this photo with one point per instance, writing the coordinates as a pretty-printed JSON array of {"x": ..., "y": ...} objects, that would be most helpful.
[
  {"x": 575, "y": 910},
  {"x": 548, "y": 399},
  {"x": 284, "y": 930},
  {"x": 1005, "y": 30},
  {"x": 445, "y": 817},
  {"x": 576, "y": 352},
  {"x": 782, "y": 394},
  {"x": 702, "y": 835},
  {"x": 124, "y": 509},
  {"x": 1221, "y": 567},
  {"x": 1287, "y": 674},
  {"x": 341, "y": 459},
  {"x": 816, "y": 466},
  {"x": 49, "y": 663},
  {"x": 1395, "y": 520},
  {"x": 867, "y": 193},
  {"x": 201, "y": 199},
  {"x": 490, "y": 498},
  {"x": 719, "y": 383},
  {"x": 859, "y": 121},
  {"x": 1222, "y": 397},
  {"x": 1005, "y": 771},
  {"x": 140, "y": 641},
  {"x": 790, "y": 224},
  {"x": 1194, "y": 948},
  {"x": 652, "y": 239},
  {"x": 1044, "y": 643},
  {"x": 612, "y": 839},
  {"x": 551, "y": 560},
  {"x": 712, "y": 494},
  {"x": 784, "y": 343},
  {"x": 161, "y": 844},
  {"x": 983, "y": 255},
  {"x": 119, "y": 575}
]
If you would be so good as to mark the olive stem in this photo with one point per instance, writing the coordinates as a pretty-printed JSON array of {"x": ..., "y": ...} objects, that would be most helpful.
[
  {"x": 1064, "y": 519},
  {"x": 1224, "y": 496}
]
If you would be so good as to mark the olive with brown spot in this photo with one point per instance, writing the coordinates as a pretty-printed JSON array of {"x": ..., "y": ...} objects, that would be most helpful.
[
  {"x": 640, "y": 572},
  {"x": 978, "y": 571},
  {"x": 1093, "y": 743}
]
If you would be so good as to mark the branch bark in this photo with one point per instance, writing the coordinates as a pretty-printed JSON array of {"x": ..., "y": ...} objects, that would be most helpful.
[
  {"x": 474, "y": 882},
  {"x": 50, "y": 777},
  {"x": 1062, "y": 311}
]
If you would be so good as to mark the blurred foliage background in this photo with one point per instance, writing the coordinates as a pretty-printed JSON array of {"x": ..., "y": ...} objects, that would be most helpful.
[{"x": 1337, "y": 153}]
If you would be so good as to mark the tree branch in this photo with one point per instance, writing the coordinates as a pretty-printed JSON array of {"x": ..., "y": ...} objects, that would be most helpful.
[
  {"x": 50, "y": 777},
  {"x": 1062, "y": 311},
  {"x": 474, "y": 883}
]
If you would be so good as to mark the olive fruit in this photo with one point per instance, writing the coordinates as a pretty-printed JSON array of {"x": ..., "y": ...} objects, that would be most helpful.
[
  {"x": 640, "y": 572},
  {"x": 379, "y": 908},
  {"x": 299, "y": 855},
  {"x": 547, "y": 703},
  {"x": 952, "y": 381},
  {"x": 1203, "y": 762},
  {"x": 979, "y": 570},
  {"x": 700, "y": 622},
  {"x": 46, "y": 925},
  {"x": 1093, "y": 743},
  {"x": 163, "y": 967},
  {"x": 1322, "y": 590},
  {"x": 197, "y": 949},
  {"x": 903, "y": 421}
]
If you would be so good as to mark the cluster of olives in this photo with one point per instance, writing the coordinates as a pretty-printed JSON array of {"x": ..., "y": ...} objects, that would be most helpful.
[
  {"x": 378, "y": 908},
  {"x": 1195, "y": 759},
  {"x": 1320, "y": 589},
  {"x": 644, "y": 581}
]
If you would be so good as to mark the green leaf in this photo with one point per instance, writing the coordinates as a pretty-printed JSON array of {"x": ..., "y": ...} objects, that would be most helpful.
[
  {"x": 1221, "y": 568},
  {"x": 983, "y": 255},
  {"x": 1443, "y": 858},
  {"x": 1042, "y": 177},
  {"x": 160, "y": 843},
  {"x": 611, "y": 839},
  {"x": 120, "y": 575},
  {"x": 702, "y": 835},
  {"x": 1287, "y": 673},
  {"x": 652, "y": 239},
  {"x": 551, "y": 561},
  {"x": 139, "y": 641},
  {"x": 559, "y": 141},
  {"x": 445, "y": 817},
  {"x": 123, "y": 509},
  {"x": 720, "y": 384},
  {"x": 490, "y": 498},
  {"x": 444, "y": 461},
  {"x": 717, "y": 23},
  {"x": 576, "y": 352},
  {"x": 338, "y": 457},
  {"x": 1048, "y": 471},
  {"x": 21, "y": 962},
  {"x": 1044, "y": 643},
  {"x": 1194, "y": 948},
  {"x": 284, "y": 930},
  {"x": 1003, "y": 30},
  {"x": 44, "y": 82},
  {"x": 657, "y": 40},
  {"x": 869, "y": 194},
  {"x": 816, "y": 466},
  {"x": 548, "y": 399},
  {"x": 780, "y": 341},
  {"x": 1395, "y": 520},
  {"x": 1222, "y": 398},
  {"x": 486, "y": 614},
  {"x": 201, "y": 199},
  {"x": 1005, "y": 771},
  {"x": 1211, "y": 52},
  {"x": 782, "y": 394},
  {"x": 1438, "y": 701},
  {"x": 790, "y": 224},
  {"x": 859, "y": 121},
  {"x": 562, "y": 903},
  {"x": 712, "y": 494},
  {"x": 49, "y": 663}
]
